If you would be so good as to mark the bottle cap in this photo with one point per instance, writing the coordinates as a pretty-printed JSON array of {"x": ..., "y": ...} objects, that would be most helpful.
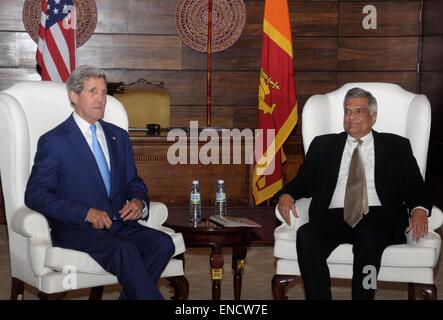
[{"x": 221, "y": 181}]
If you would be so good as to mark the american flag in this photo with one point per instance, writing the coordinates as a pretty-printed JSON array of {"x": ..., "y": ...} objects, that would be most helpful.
[{"x": 56, "y": 40}]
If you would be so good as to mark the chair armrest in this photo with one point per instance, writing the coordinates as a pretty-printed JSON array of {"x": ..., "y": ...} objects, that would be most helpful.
[
  {"x": 432, "y": 239},
  {"x": 436, "y": 219},
  {"x": 158, "y": 213},
  {"x": 302, "y": 206},
  {"x": 285, "y": 231},
  {"x": 30, "y": 224},
  {"x": 34, "y": 226}
]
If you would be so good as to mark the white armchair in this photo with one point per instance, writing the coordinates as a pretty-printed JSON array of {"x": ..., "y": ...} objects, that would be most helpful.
[
  {"x": 401, "y": 112},
  {"x": 27, "y": 110}
]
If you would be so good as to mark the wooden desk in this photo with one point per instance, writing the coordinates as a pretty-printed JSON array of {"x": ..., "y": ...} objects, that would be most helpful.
[{"x": 208, "y": 234}]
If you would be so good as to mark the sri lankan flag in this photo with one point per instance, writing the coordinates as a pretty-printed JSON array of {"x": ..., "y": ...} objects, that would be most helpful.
[{"x": 277, "y": 103}]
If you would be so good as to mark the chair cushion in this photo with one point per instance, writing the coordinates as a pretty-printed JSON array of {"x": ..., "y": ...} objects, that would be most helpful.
[
  {"x": 59, "y": 259},
  {"x": 344, "y": 271},
  {"x": 403, "y": 255},
  {"x": 173, "y": 269}
]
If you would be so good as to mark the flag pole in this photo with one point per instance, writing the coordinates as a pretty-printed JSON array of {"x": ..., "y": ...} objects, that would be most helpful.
[{"x": 209, "y": 66}]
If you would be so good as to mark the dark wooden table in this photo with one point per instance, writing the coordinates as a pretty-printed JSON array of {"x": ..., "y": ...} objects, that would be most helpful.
[{"x": 208, "y": 234}]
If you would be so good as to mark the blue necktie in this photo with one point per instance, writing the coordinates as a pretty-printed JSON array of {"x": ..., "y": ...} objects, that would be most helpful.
[{"x": 100, "y": 158}]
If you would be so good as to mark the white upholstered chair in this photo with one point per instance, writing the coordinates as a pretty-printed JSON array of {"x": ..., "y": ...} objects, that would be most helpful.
[
  {"x": 27, "y": 110},
  {"x": 401, "y": 112}
]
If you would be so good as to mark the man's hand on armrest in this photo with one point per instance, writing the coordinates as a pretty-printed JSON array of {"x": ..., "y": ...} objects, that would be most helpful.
[
  {"x": 285, "y": 205},
  {"x": 132, "y": 210},
  {"x": 418, "y": 223}
]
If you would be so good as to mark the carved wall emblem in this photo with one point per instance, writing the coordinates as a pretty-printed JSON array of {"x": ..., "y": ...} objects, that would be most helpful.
[
  {"x": 86, "y": 19},
  {"x": 228, "y": 20}
]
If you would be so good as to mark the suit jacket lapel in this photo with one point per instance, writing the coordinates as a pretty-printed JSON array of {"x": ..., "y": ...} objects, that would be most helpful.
[
  {"x": 336, "y": 155},
  {"x": 111, "y": 142},
  {"x": 379, "y": 156},
  {"x": 80, "y": 146}
]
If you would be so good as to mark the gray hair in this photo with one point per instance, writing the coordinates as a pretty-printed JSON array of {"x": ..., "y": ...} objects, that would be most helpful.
[
  {"x": 82, "y": 73},
  {"x": 360, "y": 93}
]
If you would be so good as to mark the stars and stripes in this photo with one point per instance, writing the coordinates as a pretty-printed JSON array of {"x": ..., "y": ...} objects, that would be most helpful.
[{"x": 56, "y": 52}]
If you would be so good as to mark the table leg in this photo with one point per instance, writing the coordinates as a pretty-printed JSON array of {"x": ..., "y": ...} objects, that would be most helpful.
[
  {"x": 216, "y": 262},
  {"x": 238, "y": 265}
]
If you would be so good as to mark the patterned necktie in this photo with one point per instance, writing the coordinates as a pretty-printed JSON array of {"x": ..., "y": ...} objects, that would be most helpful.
[
  {"x": 100, "y": 158},
  {"x": 356, "y": 195}
]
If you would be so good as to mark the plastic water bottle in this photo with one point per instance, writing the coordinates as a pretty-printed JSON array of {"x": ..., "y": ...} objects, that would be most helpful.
[
  {"x": 195, "y": 209},
  {"x": 220, "y": 199}
]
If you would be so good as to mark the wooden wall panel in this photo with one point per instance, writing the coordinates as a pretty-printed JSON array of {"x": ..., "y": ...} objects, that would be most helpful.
[
  {"x": 152, "y": 17},
  {"x": 406, "y": 79},
  {"x": 432, "y": 15},
  {"x": 315, "y": 54},
  {"x": 432, "y": 86},
  {"x": 222, "y": 116},
  {"x": 310, "y": 54},
  {"x": 112, "y": 16},
  {"x": 8, "y": 49},
  {"x": 11, "y": 15},
  {"x": 104, "y": 50},
  {"x": 310, "y": 83},
  {"x": 9, "y": 76},
  {"x": 308, "y": 18},
  {"x": 136, "y": 17},
  {"x": 245, "y": 117},
  {"x": 393, "y": 18},
  {"x": 377, "y": 54},
  {"x": 312, "y": 19},
  {"x": 433, "y": 53},
  {"x": 132, "y": 52},
  {"x": 17, "y": 49}
]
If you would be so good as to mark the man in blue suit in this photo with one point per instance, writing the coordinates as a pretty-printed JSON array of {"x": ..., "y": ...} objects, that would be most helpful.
[{"x": 84, "y": 180}]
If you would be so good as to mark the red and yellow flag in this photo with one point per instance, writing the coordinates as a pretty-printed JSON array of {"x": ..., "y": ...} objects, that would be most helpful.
[{"x": 277, "y": 110}]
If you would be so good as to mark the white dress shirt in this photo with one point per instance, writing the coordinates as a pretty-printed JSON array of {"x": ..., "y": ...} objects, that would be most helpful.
[
  {"x": 368, "y": 157},
  {"x": 86, "y": 131}
]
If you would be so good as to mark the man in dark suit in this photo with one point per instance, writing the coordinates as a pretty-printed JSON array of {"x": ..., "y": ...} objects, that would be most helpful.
[
  {"x": 84, "y": 180},
  {"x": 392, "y": 198}
]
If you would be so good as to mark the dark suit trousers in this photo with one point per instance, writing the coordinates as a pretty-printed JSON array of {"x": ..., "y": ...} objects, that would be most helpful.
[
  {"x": 316, "y": 240},
  {"x": 137, "y": 255}
]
